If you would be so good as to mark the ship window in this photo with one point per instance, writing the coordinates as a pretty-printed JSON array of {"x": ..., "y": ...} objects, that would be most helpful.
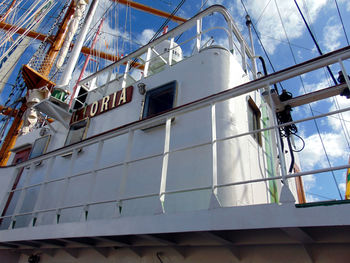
[
  {"x": 77, "y": 131},
  {"x": 254, "y": 115},
  {"x": 40, "y": 146},
  {"x": 159, "y": 100},
  {"x": 81, "y": 98}
]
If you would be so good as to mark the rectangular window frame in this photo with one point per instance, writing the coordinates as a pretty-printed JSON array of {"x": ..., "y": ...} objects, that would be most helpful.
[
  {"x": 84, "y": 134},
  {"x": 170, "y": 85},
  {"x": 256, "y": 113},
  {"x": 44, "y": 141}
]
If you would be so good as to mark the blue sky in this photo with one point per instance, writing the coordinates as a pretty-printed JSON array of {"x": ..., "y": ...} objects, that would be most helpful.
[{"x": 278, "y": 23}]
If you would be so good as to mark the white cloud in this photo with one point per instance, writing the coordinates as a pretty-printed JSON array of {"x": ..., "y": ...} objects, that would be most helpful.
[
  {"x": 347, "y": 4},
  {"x": 334, "y": 121},
  {"x": 331, "y": 36},
  {"x": 313, "y": 154},
  {"x": 146, "y": 36},
  {"x": 309, "y": 182},
  {"x": 214, "y": 2},
  {"x": 270, "y": 26},
  {"x": 342, "y": 187},
  {"x": 311, "y": 198},
  {"x": 311, "y": 87}
]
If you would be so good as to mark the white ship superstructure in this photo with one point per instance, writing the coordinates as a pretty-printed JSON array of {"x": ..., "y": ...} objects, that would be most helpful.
[{"x": 169, "y": 156}]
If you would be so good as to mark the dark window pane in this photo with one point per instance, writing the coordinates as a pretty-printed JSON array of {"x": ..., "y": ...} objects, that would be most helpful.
[{"x": 159, "y": 99}]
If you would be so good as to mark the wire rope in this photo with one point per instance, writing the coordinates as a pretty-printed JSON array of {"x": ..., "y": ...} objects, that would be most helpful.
[
  {"x": 263, "y": 11},
  {"x": 261, "y": 44},
  {"x": 341, "y": 20},
  {"x": 310, "y": 107}
]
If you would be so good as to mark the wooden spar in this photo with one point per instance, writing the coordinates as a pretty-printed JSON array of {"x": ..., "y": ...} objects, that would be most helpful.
[
  {"x": 87, "y": 50},
  {"x": 4, "y": 16},
  {"x": 42, "y": 37},
  {"x": 8, "y": 111},
  {"x": 150, "y": 10},
  {"x": 21, "y": 31},
  {"x": 11, "y": 136}
]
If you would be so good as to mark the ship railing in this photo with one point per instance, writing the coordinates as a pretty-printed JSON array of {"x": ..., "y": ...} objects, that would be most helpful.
[
  {"x": 141, "y": 63},
  {"x": 25, "y": 210}
]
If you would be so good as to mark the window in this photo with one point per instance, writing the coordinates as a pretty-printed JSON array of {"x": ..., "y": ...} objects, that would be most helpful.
[
  {"x": 77, "y": 131},
  {"x": 81, "y": 98},
  {"x": 254, "y": 115},
  {"x": 40, "y": 146},
  {"x": 159, "y": 100}
]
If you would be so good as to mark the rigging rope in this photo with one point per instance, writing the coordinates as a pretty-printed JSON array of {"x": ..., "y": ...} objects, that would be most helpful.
[
  {"x": 263, "y": 11},
  {"x": 341, "y": 20},
  {"x": 261, "y": 44},
  {"x": 302, "y": 82},
  {"x": 162, "y": 27},
  {"x": 315, "y": 41}
]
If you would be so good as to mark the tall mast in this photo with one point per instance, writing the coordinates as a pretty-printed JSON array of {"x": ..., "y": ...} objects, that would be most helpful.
[
  {"x": 72, "y": 61},
  {"x": 33, "y": 80}
]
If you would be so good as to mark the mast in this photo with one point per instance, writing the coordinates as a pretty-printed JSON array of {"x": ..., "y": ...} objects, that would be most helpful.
[
  {"x": 67, "y": 73},
  {"x": 33, "y": 80},
  {"x": 86, "y": 62}
]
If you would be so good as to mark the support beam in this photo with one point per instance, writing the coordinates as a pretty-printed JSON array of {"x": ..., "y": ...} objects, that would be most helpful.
[
  {"x": 7, "y": 245},
  {"x": 225, "y": 242},
  {"x": 137, "y": 251},
  {"x": 161, "y": 239},
  {"x": 81, "y": 241},
  {"x": 114, "y": 240},
  {"x": 53, "y": 242},
  {"x": 84, "y": 50},
  {"x": 298, "y": 234},
  {"x": 21, "y": 31},
  {"x": 150, "y": 10},
  {"x": 306, "y": 98},
  {"x": 31, "y": 244},
  {"x": 74, "y": 252},
  {"x": 309, "y": 253},
  {"x": 48, "y": 251},
  {"x": 104, "y": 251}
]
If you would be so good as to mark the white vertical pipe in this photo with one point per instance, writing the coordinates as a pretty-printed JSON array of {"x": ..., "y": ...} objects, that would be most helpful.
[
  {"x": 199, "y": 34},
  {"x": 148, "y": 58},
  {"x": 214, "y": 149},
  {"x": 126, "y": 74},
  {"x": 171, "y": 51},
  {"x": 67, "y": 73},
  {"x": 165, "y": 162}
]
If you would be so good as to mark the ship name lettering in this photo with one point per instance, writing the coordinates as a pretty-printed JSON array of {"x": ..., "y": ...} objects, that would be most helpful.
[
  {"x": 105, "y": 104},
  {"x": 93, "y": 109}
]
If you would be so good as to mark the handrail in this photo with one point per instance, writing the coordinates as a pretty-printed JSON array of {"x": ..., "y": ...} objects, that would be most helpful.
[
  {"x": 174, "y": 32},
  {"x": 313, "y": 64},
  {"x": 265, "y": 81}
]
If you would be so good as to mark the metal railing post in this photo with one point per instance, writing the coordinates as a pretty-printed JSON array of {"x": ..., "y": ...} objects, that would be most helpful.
[
  {"x": 43, "y": 185},
  {"x": 214, "y": 202},
  {"x": 124, "y": 178},
  {"x": 165, "y": 163}
]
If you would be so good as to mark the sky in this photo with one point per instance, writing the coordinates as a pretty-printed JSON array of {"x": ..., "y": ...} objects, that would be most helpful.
[{"x": 286, "y": 41}]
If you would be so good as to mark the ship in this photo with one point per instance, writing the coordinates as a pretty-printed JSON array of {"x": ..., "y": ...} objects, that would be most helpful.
[{"x": 180, "y": 151}]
